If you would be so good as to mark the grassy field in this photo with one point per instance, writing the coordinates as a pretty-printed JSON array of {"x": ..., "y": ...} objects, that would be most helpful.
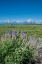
[
  {"x": 19, "y": 48},
  {"x": 30, "y": 29}
]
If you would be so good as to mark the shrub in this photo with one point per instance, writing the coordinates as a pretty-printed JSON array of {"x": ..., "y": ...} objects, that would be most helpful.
[{"x": 18, "y": 51}]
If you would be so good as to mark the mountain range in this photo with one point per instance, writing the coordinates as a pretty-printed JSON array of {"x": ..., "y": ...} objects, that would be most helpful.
[{"x": 20, "y": 22}]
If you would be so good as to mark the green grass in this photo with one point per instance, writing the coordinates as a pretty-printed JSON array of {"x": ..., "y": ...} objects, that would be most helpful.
[
  {"x": 19, "y": 51},
  {"x": 30, "y": 29}
]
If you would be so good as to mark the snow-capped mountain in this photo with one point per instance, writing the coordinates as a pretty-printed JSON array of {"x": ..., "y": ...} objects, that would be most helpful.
[{"x": 29, "y": 21}]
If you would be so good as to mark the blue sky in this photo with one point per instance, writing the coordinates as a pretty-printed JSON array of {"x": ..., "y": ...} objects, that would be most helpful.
[{"x": 21, "y": 10}]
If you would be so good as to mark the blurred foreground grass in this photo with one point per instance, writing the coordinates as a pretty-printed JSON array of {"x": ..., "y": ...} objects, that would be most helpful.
[{"x": 30, "y": 29}]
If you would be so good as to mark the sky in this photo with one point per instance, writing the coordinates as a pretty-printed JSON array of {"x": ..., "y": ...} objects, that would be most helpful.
[{"x": 21, "y": 10}]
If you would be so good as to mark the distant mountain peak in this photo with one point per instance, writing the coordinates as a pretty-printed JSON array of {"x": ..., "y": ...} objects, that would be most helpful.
[
  {"x": 7, "y": 21},
  {"x": 29, "y": 21}
]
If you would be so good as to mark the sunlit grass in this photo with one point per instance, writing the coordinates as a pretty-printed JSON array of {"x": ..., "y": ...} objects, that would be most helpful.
[{"x": 30, "y": 29}]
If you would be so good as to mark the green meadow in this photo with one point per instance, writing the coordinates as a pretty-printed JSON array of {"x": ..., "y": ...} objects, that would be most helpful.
[
  {"x": 30, "y": 29},
  {"x": 22, "y": 47}
]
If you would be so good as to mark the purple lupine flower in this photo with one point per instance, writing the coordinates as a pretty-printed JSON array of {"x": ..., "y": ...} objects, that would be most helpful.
[
  {"x": 23, "y": 35},
  {"x": 7, "y": 33},
  {"x": 32, "y": 39},
  {"x": 14, "y": 34}
]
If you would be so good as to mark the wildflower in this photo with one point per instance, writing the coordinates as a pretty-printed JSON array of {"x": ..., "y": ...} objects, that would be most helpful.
[
  {"x": 14, "y": 34},
  {"x": 23, "y": 35},
  {"x": 32, "y": 39},
  {"x": 7, "y": 34}
]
